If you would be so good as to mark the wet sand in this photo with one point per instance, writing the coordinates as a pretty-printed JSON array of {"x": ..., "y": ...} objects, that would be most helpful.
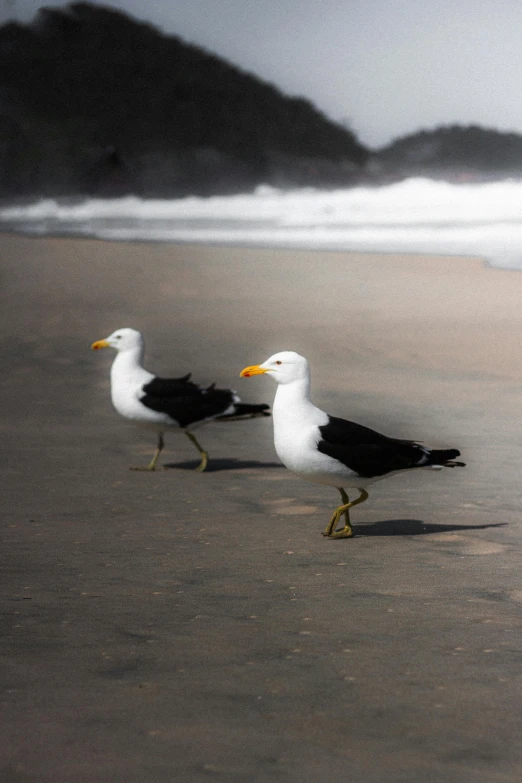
[{"x": 183, "y": 627}]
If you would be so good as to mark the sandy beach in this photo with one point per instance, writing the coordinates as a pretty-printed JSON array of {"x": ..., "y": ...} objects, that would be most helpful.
[{"x": 177, "y": 626}]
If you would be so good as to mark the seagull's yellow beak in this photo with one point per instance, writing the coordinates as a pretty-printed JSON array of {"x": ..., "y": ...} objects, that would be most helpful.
[
  {"x": 99, "y": 344},
  {"x": 254, "y": 369}
]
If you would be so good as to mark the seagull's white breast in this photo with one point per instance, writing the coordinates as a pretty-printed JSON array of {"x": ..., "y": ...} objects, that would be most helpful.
[
  {"x": 127, "y": 381},
  {"x": 296, "y": 435}
]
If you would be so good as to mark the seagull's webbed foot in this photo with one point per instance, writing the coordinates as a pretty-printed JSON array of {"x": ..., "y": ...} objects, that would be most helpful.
[
  {"x": 203, "y": 454},
  {"x": 347, "y": 531},
  {"x": 152, "y": 463}
]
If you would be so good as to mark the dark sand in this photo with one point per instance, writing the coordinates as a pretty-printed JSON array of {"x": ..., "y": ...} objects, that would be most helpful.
[{"x": 177, "y": 627}]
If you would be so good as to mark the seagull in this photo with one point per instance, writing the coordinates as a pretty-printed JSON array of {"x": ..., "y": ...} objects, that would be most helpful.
[
  {"x": 166, "y": 403},
  {"x": 324, "y": 449}
]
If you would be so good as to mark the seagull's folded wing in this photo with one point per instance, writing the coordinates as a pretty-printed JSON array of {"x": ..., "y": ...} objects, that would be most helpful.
[
  {"x": 184, "y": 401},
  {"x": 366, "y": 451}
]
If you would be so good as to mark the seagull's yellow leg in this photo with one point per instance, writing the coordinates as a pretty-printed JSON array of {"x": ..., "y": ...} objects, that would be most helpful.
[
  {"x": 334, "y": 521},
  {"x": 204, "y": 455},
  {"x": 346, "y": 531},
  {"x": 152, "y": 463}
]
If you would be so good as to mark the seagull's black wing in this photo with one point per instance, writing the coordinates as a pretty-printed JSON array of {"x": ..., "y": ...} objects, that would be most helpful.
[
  {"x": 370, "y": 454},
  {"x": 184, "y": 401},
  {"x": 171, "y": 387}
]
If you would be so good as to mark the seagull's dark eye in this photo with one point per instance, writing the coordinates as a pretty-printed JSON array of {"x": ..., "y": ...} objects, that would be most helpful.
[
  {"x": 278, "y": 362},
  {"x": 118, "y": 336}
]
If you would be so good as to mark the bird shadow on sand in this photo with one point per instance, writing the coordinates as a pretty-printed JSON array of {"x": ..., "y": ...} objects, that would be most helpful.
[
  {"x": 413, "y": 527},
  {"x": 216, "y": 465}
]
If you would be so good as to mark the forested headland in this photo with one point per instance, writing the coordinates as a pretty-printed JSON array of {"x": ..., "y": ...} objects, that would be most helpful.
[{"x": 94, "y": 102}]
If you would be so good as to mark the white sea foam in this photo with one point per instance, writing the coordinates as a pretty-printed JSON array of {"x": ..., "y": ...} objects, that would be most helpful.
[{"x": 415, "y": 215}]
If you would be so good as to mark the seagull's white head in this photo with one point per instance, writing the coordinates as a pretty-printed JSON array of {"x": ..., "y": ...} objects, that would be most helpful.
[
  {"x": 283, "y": 367},
  {"x": 122, "y": 340}
]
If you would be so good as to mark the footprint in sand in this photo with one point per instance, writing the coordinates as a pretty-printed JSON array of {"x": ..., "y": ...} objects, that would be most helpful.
[
  {"x": 284, "y": 506},
  {"x": 470, "y": 546},
  {"x": 483, "y": 548},
  {"x": 263, "y": 475},
  {"x": 274, "y": 476}
]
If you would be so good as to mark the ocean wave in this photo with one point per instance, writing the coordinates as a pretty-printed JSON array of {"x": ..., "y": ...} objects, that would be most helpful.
[{"x": 416, "y": 215}]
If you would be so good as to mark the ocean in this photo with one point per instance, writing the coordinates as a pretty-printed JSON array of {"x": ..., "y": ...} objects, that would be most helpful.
[{"x": 416, "y": 215}]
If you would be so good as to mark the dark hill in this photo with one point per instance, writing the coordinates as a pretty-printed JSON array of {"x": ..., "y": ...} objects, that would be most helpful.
[
  {"x": 454, "y": 151},
  {"x": 94, "y": 102}
]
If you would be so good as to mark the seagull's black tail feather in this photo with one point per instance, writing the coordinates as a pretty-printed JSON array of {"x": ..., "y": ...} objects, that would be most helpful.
[
  {"x": 244, "y": 410},
  {"x": 445, "y": 457}
]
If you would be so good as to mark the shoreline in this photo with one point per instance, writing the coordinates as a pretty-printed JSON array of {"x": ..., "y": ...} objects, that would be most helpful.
[{"x": 259, "y": 246}]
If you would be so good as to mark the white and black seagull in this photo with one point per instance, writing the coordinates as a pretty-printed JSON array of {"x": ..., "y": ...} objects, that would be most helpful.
[
  {"x": 166, "y": 403},
  {"x": 328, "y": 450}
]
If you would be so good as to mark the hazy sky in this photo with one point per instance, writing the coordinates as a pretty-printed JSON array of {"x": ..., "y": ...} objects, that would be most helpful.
[{"x": 385, "y": 67}]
